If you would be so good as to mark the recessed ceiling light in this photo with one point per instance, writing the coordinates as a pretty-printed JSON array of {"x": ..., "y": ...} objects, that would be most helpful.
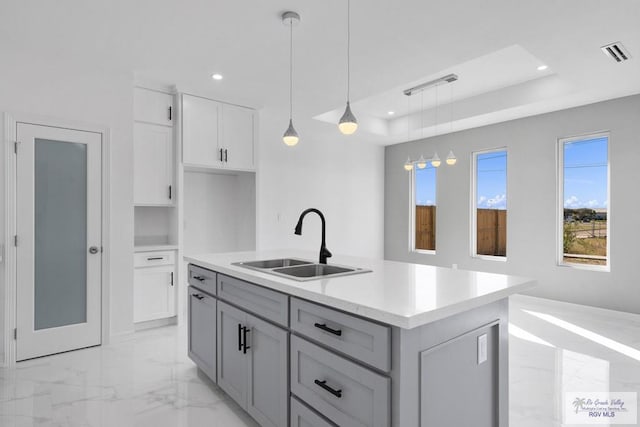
[
  {"x": 391, "y": 113},
  {"x": 216, "y": 76},
  {"x": 543, "y": 67}
]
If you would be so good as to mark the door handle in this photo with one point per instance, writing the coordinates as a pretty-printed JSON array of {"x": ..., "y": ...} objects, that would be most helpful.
[
  {"x": 221, "y": 155},
  {"x": 226, "y": 153},
  {"x": 323, "y": 385},
  {"x": 245, "y": 347},
  {"x": 239, "y": 337},
  {"x": 93, "y": 250}
]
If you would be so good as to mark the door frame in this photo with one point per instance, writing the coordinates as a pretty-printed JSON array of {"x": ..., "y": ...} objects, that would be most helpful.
[{"x": 11, "y": 121}]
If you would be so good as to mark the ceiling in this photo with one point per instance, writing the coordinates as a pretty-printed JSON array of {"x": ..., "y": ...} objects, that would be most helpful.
[{"x": 494, "y": 46}]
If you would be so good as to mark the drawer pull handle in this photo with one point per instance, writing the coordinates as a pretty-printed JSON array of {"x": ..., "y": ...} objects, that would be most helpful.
[
  {"x": 325, "y": 328},
  {"x": 155, "y": 258},
  {"x": 323, "y": 385},
  {"x": 198, "y": 296},
  {"x": 245, "y": 347},
  {"x": 199, "y": 278}
]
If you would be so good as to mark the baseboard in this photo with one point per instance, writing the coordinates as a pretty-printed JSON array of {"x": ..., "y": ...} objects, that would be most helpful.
[{"x": 158, "y": 323}]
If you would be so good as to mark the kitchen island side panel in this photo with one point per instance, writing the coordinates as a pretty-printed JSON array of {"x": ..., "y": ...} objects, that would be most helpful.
[{"x": 410, "y": 345}]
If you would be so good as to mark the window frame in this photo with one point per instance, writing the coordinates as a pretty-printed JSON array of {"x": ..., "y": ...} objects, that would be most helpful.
[
  {"x": 474, "y": 200},
  {"x": 412, "y": 212},
  {"x": 560, "y": 201}
]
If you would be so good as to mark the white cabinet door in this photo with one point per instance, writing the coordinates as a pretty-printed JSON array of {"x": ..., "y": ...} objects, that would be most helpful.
[
  {"x": 200, "y": 132},
  {"x": 238, "y": 136},
  {"x": 153, "y": 293},
  {"x": 152, "y": 164},
  {"x": 153, "y": 107}
]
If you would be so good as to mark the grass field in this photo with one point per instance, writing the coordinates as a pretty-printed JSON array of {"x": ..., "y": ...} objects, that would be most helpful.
[{"x": 585, "y": 238}]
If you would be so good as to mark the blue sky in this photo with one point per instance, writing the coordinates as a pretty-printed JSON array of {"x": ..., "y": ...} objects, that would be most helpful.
[
  {"x": 426, "y": 186},
  {"x": 492, "y": 180},
  {"x": 585, "y": 173}
]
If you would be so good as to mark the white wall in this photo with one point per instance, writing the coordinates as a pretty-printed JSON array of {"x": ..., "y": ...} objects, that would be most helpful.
[
  {"x": 532, "y": 214},
  {"x": 341, "y": 177},
  {"x": 96, "y": 97}
]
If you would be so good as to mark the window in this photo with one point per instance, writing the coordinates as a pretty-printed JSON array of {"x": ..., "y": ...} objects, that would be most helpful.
[
  {"x": 424, "y": 208},
  {"x": 584, "y": 200},
  {"x": 489, "y": 229}
]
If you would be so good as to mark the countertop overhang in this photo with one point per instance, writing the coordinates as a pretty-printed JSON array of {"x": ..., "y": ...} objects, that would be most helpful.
[{"x": 395, "y": 293}]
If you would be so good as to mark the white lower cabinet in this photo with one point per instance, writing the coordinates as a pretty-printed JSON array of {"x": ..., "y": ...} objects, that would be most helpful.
[
  {"x": 153, "y": 290},
  {"x": 252, "y": 364}
]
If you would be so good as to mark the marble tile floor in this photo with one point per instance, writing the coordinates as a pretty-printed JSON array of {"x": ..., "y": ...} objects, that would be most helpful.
[{"x": 147, "y": 380}]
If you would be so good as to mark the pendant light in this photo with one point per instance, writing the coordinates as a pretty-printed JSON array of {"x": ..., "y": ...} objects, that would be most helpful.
[
  {"x": 290, "y": 136},
  {"x": 348, "y": 123},
  {"x": 435, "y": 161}
]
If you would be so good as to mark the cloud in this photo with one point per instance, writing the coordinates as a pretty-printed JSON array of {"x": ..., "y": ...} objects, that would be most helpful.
[
  {"x": 571, "y": 202},
  {"x": 499, "y": 201},
  {"x": 574, "y": 202}
]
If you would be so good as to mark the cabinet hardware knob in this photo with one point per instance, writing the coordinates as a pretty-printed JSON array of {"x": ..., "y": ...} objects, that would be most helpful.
[
  {"x": 323, "y": 385},
  {"x": 93, "y": 250},
  {"x": 325, "y": 328}
]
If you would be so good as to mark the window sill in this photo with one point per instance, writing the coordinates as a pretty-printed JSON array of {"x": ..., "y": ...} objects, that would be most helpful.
[
  {"x": 490, "y": 258},
  {"x": 423, "y": 252},
  {"x": 601, "y": 268}
]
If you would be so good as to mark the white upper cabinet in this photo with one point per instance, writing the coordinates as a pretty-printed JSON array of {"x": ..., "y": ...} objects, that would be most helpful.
[
  {"x": 238, "y": 136},
  {"x": 200, "y": 132},
  {"x": 217, "y": 135},
  {"x": 152, "y": 165},
  {"x": 151, "y": 106}
]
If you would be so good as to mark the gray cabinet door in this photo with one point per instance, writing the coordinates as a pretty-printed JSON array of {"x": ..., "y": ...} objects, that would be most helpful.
[
  {"x": 202, "y": 331},
  {"x": 232, "y": 362},
  {"x": 268, "y": 393}
]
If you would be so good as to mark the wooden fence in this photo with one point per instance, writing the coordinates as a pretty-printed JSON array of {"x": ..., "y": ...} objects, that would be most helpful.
[
  {"x": 426, "y": 227},
  {"x": 492, "y": 232},
  {"x": 491, "y": 226}
]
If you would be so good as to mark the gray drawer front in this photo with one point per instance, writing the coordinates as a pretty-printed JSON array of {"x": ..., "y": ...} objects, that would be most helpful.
[
  {"x": 365, "y": 395},
  {"x": 202, "y": 331},
  {"x": 363, "y": 340},
  {"x": 301, "y": 416},
  {"x": 203, "y": 279},
  {"x": 266, "y": 303}
]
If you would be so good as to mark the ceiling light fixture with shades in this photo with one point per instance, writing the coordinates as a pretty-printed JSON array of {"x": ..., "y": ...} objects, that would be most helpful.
[
  {"x": 290, "y": 136},
  {"x": 348, "y": 123},
  {"x": 421, "y": 163}
]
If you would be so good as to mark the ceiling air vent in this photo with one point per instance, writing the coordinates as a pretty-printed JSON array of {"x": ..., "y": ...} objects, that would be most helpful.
[{"x": 616, "y": 51}]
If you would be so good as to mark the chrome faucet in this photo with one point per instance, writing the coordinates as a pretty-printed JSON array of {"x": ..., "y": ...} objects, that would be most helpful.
[{"x": 324, "y": 252}]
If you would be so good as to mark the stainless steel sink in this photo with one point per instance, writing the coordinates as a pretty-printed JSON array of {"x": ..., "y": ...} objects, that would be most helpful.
[
  {"x": 299, "y": 269},
  {"x": 313, "y": 270},
  {"x": 273, "y": 263}
]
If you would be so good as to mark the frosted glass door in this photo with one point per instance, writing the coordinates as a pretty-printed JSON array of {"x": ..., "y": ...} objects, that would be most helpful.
[{"x": 59, "y": 240}]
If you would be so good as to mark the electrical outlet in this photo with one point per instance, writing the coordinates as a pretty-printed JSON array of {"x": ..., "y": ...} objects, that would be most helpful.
[{"x": 482, "y": 348}]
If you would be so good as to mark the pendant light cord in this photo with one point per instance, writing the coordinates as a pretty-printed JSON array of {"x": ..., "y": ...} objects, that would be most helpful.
[
  {"x": 348, "y": 49},
  {"x": 290, "y": 69}
]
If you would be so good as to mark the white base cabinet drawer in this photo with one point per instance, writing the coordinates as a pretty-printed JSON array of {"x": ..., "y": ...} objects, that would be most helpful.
[
  {"x": 202, "y": 331},
  {"x": 153, "y": 259},
  {"x": 301, "y": 416},
  {"x": 344, "y": 392},
  {"x": 361, "y": 339}
]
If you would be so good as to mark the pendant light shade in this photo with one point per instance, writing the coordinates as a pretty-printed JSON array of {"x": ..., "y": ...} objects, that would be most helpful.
[
  {"x": 408, "y": 164},
  {"x": 421, "y": 163},
  {"x": 451, "y": 159},
  {"x": 435, "y": 160},
  {"x": 290, "y": 136},
  {"x": 348, "y": 123}
]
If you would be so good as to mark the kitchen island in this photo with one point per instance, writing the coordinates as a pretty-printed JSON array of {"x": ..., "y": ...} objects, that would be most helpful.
[{"x": 400, "y": 345}]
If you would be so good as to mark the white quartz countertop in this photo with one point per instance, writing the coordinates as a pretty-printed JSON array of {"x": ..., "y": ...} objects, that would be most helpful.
[{"x": 396, "y": 293}]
